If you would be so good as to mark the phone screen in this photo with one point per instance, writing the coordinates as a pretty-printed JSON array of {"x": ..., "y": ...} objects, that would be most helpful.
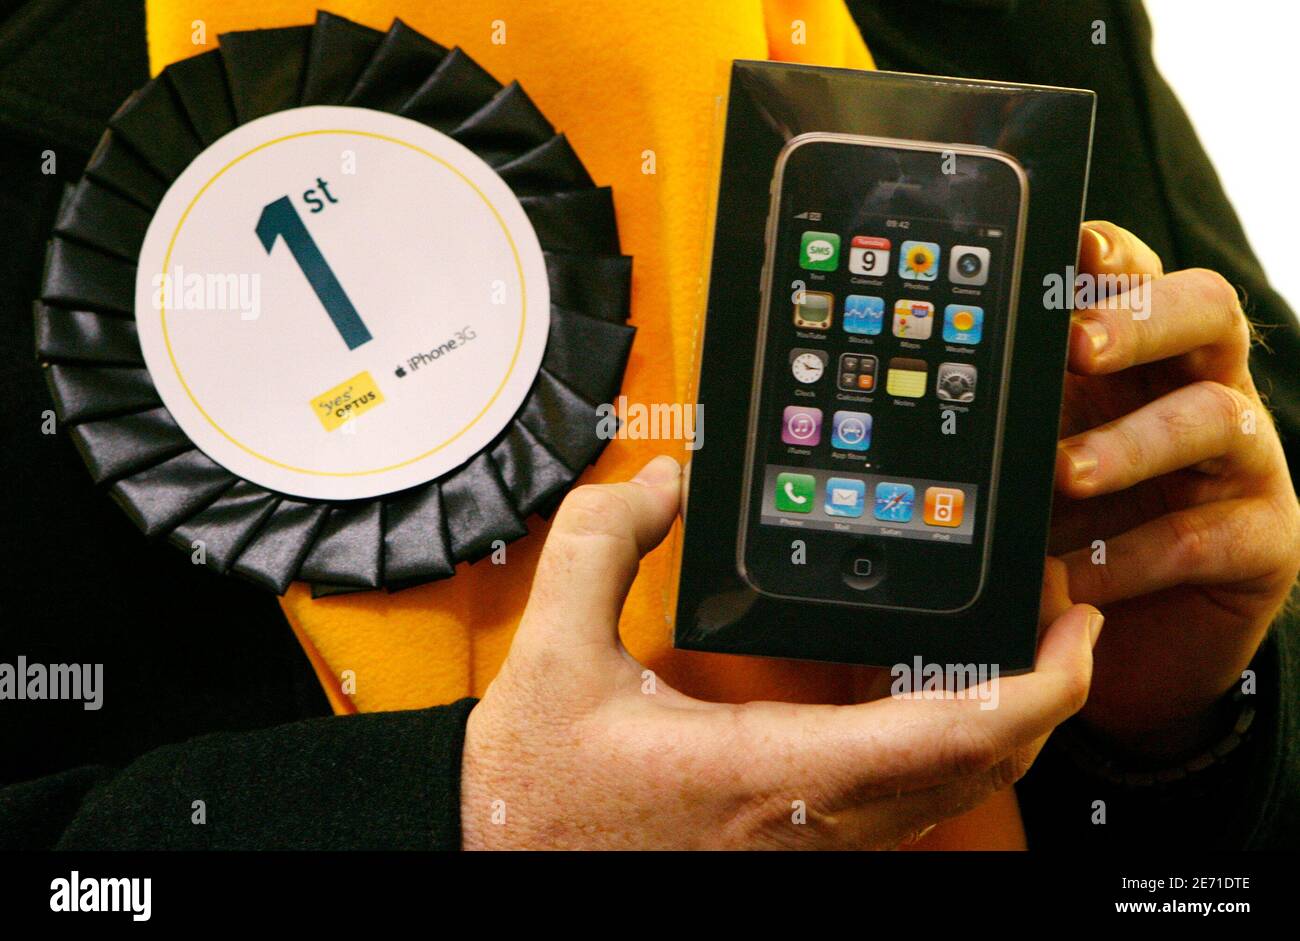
[{"x": 888, "y": 306}]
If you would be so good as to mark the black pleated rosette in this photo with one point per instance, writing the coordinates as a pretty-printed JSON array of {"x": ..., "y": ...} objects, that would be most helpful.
[{"x": 103, "y": 393}]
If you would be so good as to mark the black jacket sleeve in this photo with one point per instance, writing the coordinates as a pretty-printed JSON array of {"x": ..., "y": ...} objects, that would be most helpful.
[
  {"x": 1250, "y": 801},
  {"x": 375, "y": 781}
]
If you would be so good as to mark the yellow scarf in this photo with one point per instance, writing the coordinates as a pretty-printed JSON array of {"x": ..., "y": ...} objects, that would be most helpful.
[{"x": 619, "y": 80}]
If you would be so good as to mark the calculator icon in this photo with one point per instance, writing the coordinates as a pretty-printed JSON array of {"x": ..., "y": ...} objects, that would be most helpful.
[{"x": 857, "y": 373}]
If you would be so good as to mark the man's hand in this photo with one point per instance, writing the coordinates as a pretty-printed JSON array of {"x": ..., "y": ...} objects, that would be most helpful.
[
  {"x": 1169, "y": 457},
  {"x": 575, "y": 745}
]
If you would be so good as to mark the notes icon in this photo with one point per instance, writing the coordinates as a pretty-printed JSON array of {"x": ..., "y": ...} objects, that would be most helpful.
[{"x": 907, "y": 378}]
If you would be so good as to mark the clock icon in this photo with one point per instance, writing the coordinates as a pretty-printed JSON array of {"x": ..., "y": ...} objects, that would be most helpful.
[{"x": 808, "y": 365}]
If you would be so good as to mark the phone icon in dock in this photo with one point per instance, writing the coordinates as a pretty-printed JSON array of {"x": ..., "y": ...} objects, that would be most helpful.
[{"x": 794, "y": 492}]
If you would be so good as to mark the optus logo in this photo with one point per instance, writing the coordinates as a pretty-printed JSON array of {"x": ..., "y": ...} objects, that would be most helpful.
[{"x": 347, "y": 400}]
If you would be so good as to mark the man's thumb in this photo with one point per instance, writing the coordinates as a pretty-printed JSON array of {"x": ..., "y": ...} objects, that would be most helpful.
[{"x": 592, "y": 552}]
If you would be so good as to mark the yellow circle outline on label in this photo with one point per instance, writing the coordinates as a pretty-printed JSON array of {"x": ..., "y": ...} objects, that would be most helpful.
[{"x": 514, "y": 357}]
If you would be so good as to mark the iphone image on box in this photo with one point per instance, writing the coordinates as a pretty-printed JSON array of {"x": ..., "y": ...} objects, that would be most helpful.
[{"x": 888, "y": 312}]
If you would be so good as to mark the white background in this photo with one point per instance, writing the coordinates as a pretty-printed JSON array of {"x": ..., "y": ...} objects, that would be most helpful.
[{"x": 1233, "y": 67}]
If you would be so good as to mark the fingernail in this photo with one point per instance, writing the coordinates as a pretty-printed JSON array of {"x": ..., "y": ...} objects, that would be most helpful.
[
  {"x": 1097, "y": 334},
  {"x": 1103, "y": 244},
  {"x": 1095, "y": 621},
  {"x": 1083, "y": 460},
  {"x": 661, "y": 470}
]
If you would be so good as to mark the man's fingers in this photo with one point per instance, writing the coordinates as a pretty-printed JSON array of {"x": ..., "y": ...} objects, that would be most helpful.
[
  {"x": 1055, "y": 600},
  {"x": 902, "y": 744},
  {"x": 592, "y": 552},
  {"x": 971, "y": 739},
  {"x": 1190, "y": 426},
  {"x": 1213, "y": 543},
  {"x": 1192, "y": 310},
  {"x": 1107, "y": 249},
  {"x": 890, "y": 820},
  {"x": 1115, "y": 258}
]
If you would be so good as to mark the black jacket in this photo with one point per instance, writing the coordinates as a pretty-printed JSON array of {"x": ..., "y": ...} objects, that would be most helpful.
[{"x": 208, "y": 696}]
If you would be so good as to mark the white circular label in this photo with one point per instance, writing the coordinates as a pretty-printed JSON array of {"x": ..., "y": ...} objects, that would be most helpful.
[{"x": 339, "y": 303}]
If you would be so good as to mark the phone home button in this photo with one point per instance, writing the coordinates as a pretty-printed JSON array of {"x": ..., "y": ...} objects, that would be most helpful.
[{"x": 863, "y": 566}]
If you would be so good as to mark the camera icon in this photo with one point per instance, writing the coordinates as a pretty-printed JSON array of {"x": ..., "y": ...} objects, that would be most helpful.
[{"x": 968, "y": 264}]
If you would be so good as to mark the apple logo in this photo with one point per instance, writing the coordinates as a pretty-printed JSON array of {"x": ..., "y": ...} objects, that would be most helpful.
[{"x": 400, "y": 372}]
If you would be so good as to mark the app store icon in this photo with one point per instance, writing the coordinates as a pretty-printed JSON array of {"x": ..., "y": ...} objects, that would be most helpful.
[{"x": 851, "y": 431}]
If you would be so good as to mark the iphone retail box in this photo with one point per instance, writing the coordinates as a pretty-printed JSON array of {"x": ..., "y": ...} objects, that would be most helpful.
[{"x": 882, "y": 359}]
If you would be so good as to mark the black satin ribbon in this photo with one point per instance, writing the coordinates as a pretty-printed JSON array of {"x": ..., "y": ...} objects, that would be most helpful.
[
  {"x": 349, "y": 550},
  {"x": 405, "y": 57},
  {"x": 457, "y": 88},
  {"x": 505, "y": 128},
  {"x": 274, "y": 555},
  {"x": 479, "y": 511},
  {"x": 222, "y": 529},
  {"x": 117, "y": 447},
  {"x": 199, "y": 83},
  {"x": 152, "y": 122},
  {"x": 547, "y": 167},
  {"x": 339, "y": 53},
  {"x": 577, "y": 221},
  {"x": 120, "y": 168},
  {"x": 87, "y": 393},
  {"x": 83, "y": 336},
  {"x": 529, "y": 469},
  {"x": 102, "y": 219},
  {"x": 77, "y": 275},
  {"x": 587, "y": 354},
  {"x": 564, "y": 421},
  {"x": 599, "y": 286},
  {"x": 85, "y": 331},
  {"x": 417, "y": 548},
  {"x": 161, "y": 498},
  {"x": 265, "y": 69}
]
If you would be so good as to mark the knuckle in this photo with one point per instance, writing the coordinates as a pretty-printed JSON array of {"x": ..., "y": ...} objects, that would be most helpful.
[
  {"x": 966, "y": 748},
  {"x": 593, "y": 510},
  {"x": 1277, "y": 525},
  {"x": 1010, "y": 770},
  {"x": 1089, "y": 582},
  {"x": 1188, "y": 543},
  {"x": 1215, "y": 289},
  {"x": 763, "y": 820},
  {"x": 762, "y": 803},
  {"x": 1240, "y": 334},
  {"x": 1074, "y": 693},
  {"x": 1225, "y": 405},
  {"x": 1175, "y": 423},
  {"x": 909, "y": 825},
  {"x": 1131, "y": 446},
  {"x": 1291, "y": 544}
]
